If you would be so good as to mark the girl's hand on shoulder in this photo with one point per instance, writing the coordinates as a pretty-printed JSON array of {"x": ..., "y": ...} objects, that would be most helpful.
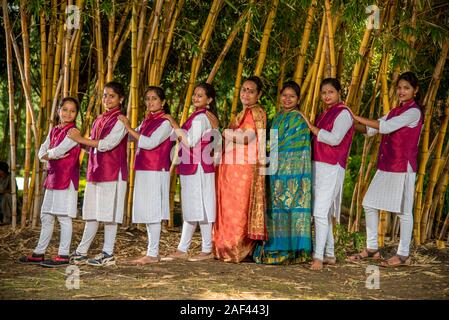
[
  {"x": 352, "y": 113},
  {"x": 173, "y": 122},
  {"x": 304, "y": 117},
  {"x": 74, "y": 134},
  {"x": 212, "y": 119},
  {"x": 125, "y": 120}
]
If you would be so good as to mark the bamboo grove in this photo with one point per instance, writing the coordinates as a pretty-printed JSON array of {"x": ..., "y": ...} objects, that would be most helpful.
[{"x": 178, "y": 43}]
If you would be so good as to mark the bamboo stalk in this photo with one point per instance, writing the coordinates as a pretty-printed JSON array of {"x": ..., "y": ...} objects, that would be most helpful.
[
  {"x": 266, "y": 36},
  {"x": 424, "y": 154},
  {"x": 196, "y": 61},
  {"x": 12, "y": 135},
  {"x": 28, "y": 122},
  {"x": 434, "y": 173},
  {"x": 99, "y": 47},
  {"x": 364, "y": 175},
  {"x": 51, "y": 55},
  {"x": 242, "y": 55},
  {"x": 134, "y": 104},
  {"x": 169, "y": 37},
  {"x": 365, "y": 74},
  {"x": 330, "y": 31},
  {"x": 111, "y": 31},
  {"x": 75, "y": 59},
  {"x": 441, "y": 191},
  {"x": 140, "y": 31},
  {"x": 227, "y": 46},
  {"x": 66, "y": 55},
  {"x": 438, "y": 201},
  {"x": 122, "y": 22},
  {"x": 316, "y": 95},
  {"x": 356, "y": 71},
  {"x": 152, "y": 38},
  {"x": 283, "y": 62},
  {"x": 299, "y": 70},
  {"x": 58, "y": 52}
]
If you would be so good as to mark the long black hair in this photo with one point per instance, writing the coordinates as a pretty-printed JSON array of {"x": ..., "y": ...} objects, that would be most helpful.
[
  {"x": 210, "y": 93},
  {"x": 295, "y": 87},
  {"x": 118, "y": 88},
  {"x": 161, "y": 94},
  {"x": 64, "y": 100},
  {"x": 411, "y": 78}
]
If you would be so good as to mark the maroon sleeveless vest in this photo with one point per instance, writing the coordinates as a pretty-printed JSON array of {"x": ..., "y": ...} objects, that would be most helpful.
[
  {"x": 323, "y": 152},
  {"x": 191, "y": 157},
  {"x": 157, "y": 159},
  {"x": 105, "y": 166},
  {"x": 62, "y": 171},
  {"x": 400, "y": 147}
]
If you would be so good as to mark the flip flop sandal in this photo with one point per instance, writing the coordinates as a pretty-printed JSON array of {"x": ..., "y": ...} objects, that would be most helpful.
[
  {"x": 369, "y": 255},
  {"x": 403, "y": 261}
]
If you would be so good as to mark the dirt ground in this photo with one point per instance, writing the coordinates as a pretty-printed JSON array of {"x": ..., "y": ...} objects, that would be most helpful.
[{"x": 427, "y": 278}]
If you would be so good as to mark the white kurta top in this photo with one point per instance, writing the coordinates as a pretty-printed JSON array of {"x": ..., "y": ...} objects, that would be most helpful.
[
  {"x": 105, "y": 201},
  {"x": 393, "y": 191},
  {"x": 59, "y": 202},
  {"x": 327, "y": 178},
  {"x": 152, "y": 188},
  {"x": 198, "y": 190}
]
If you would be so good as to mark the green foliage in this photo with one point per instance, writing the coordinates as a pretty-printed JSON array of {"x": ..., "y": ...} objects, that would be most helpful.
[{"x": 347, "y": 242}]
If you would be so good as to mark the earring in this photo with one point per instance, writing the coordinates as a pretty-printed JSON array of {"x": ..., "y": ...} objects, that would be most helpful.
[{"x": 207, "y": 107}]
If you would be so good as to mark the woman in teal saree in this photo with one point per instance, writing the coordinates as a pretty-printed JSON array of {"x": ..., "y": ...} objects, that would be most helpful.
[{"x": 290, "y": 187}]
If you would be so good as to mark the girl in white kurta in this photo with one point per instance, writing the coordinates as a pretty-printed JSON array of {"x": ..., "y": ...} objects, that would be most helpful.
[
  {"x": 393, "y": 186},
  {"x": 152, "y": 170},
  {"x": 197, "y": 178},
  {"x": 330, "y": 149},
  {"x": 107, "y": 173},
  {"x": 61, "y": 186}
]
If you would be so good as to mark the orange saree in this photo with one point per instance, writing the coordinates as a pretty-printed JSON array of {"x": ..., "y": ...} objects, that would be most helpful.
[{"x": 240, "y": 217}]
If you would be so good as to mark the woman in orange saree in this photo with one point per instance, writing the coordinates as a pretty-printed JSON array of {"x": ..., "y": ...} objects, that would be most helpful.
[{"x": 240, "y": 220}]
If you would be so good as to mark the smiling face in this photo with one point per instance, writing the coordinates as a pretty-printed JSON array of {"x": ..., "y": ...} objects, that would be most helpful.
[
  {"x": 289, "y": 99},
  {"x": 67, "y": 112},
  {"x": 248, "y": 94},
  {"x": 200, "y": 98},
  {"x": 153, "y": 102},
  {"x": 111, "y": 99},
  {"x": 329, "y": 95},
  {"x": 405, "y": 91}
]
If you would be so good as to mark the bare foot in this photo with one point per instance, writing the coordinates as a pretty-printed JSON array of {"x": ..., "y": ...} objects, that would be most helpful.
[
  {"x": 202, "y": 256},
  {"x": 143, "y": 261},
  {"x": 330, "y": 260},
  {"x": 176, "y": 255},
  {"x": 316, "y": 265}
]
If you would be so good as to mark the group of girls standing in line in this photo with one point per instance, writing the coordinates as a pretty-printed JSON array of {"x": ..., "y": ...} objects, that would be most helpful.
[{"x": 244, "y": 211}]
